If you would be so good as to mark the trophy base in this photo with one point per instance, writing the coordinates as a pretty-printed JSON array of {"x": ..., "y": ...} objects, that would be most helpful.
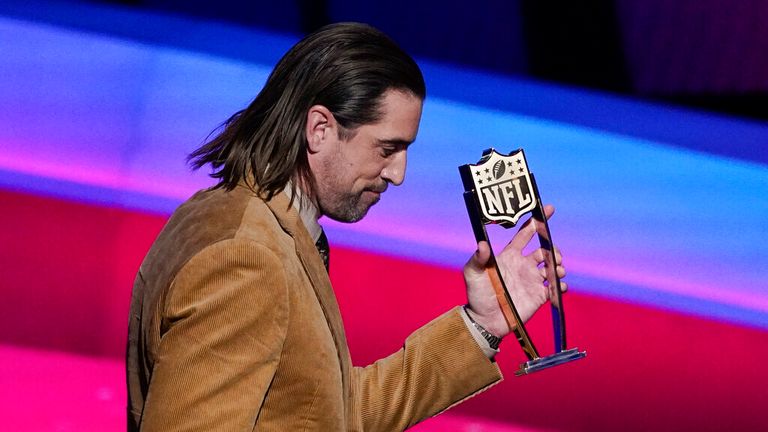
[{"x": 550, "y": 361}]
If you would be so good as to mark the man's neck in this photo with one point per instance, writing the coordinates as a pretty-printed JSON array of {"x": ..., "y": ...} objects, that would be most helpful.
[{"x": 307, "y": 210}]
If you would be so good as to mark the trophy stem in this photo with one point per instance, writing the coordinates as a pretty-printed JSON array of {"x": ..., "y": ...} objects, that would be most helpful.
[
  {"x": 555, "y": 292},
  {"x": 509, "y": 311}
]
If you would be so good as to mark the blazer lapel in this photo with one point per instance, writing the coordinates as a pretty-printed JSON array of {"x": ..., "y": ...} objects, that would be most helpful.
[{"x": 291, "y": 222}]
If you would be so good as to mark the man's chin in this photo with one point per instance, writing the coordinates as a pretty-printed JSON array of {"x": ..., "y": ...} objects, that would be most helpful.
[
  {"x": 356, "y": 207},
  {"x": 376, "y": 199},
  {"x": 351, "y": 215}
]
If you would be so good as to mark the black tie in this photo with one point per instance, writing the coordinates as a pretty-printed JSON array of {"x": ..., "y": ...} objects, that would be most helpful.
[{"x": 324, "y": 249}]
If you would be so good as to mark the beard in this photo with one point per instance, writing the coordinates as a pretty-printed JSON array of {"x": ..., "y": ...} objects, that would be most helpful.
[
  {"x": 334, "y": 192},
  {"x": 348, "y": 207},
  {"x": 336, "y": 201}
]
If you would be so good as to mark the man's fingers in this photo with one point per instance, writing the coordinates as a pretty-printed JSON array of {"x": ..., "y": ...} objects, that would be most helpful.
[
  {"x": 549, "y": 210},
  {"x": 544, "y": 269},
  {"x": 539, "y": 255},
  {"x": 561, "y": 272},
  {"x": 528, "y": 229},
  {"x": 479, "y": 260},
  {"x": 524, "y": 235},
  {"x": 542, "y": 255}
]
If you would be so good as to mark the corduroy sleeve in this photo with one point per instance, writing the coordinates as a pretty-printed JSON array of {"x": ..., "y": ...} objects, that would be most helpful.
[
  {"x": 439, "y": 366},
  {"x": 224, "y": 323}
]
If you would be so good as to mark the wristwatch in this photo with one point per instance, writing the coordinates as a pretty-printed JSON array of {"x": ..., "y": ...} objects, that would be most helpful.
[{"x": 493, "y": 340}]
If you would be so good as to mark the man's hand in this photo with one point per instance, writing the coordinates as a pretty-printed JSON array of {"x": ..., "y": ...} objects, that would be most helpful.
[{"x": 524, "y": 276}]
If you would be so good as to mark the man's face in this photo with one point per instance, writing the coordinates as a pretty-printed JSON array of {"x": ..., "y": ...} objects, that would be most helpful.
[{"x": 352, "y": 174}]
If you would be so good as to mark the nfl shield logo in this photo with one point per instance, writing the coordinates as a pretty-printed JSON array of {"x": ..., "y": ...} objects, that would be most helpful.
[{"x": 502, "y": 185}]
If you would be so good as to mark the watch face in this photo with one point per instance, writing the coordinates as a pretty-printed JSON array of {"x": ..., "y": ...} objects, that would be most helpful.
[{"x": 493, "y": 341}]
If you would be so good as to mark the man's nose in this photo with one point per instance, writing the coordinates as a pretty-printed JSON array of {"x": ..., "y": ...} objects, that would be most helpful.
[{"x": 394, "y": 172}]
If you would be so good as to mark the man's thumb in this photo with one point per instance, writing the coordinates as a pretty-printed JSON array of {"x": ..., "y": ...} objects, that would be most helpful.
[{"x": 479, "y": 259}]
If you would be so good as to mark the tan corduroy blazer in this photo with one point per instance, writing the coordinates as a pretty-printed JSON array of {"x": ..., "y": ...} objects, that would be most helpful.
[{"x": 234, "y": 326}]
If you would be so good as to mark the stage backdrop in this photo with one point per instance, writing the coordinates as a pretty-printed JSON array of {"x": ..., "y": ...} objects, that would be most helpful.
[{"x": 660, "y": 218}]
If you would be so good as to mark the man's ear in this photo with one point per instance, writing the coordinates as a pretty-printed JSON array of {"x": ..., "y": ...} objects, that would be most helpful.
[{"x": 321, "y": 127}]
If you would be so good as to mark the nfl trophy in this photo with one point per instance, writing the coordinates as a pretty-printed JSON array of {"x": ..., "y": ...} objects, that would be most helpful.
[{"x": 500, "y": 189}]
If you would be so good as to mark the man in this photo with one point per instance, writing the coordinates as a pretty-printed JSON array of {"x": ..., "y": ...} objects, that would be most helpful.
[{"x": 234, "y": 325}]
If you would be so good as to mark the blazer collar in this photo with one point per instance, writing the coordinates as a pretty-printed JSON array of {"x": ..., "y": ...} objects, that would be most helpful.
[
  {"x": 291, "y": 222},
  {"x": 308, "y": 212}
]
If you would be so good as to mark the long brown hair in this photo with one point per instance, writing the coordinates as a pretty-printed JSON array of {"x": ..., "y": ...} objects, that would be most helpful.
[{"x": 345, "y": 67}]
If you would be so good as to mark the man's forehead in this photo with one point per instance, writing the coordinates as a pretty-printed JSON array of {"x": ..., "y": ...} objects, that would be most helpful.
[{"x": 401, "y": 116}]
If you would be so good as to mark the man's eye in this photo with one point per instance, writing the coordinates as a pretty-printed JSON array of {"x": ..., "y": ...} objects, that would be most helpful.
[{"x": 388, "y": 151}]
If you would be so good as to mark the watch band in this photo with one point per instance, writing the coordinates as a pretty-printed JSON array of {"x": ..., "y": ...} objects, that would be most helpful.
[{"x": 493, "y": 340}]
